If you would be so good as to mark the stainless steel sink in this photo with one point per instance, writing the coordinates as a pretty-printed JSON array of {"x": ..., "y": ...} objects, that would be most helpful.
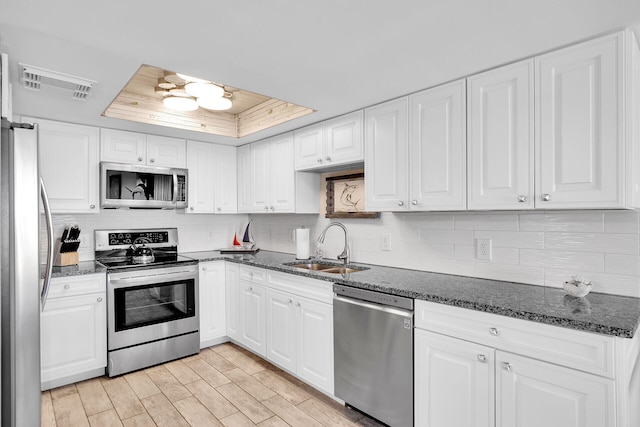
[{"x": 327, "y": 267}]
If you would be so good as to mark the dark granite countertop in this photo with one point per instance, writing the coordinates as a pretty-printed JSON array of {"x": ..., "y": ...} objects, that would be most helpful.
[
  {"x": 597, "y": 312},
  {"x": 84, "y": 267}
]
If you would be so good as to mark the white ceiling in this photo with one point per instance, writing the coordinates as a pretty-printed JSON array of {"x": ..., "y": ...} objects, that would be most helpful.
[{"x": 333, "y": 56}]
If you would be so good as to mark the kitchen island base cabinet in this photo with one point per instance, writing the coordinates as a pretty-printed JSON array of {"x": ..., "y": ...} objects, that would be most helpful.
[
  {"x": 73, "y": 331},
  {"x": 213, "y": 329}
]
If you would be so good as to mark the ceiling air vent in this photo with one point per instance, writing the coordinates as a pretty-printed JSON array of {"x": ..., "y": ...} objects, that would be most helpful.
[{"x": 34, "y": 78}]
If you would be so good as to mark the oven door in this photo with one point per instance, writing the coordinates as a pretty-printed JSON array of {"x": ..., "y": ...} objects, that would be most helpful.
[{"x": 153, "y": 304}]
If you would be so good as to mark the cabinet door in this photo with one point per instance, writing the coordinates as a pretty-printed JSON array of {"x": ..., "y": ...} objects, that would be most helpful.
[
  {"x": 344, "y": 139},
  {"x": 282, "y": 184},
  {"x": 260, "y": 173},
  {"x": 253, "y": 320},
  {"x": 226, "y": 183},
  {"x": 232, "y": 298},
  {"x": 500, "y": 138},
  {"x": 386, "y": 149},
  {"x": 212, "y": 302},
  {"x": 531, "y": 393},
  {"x": 437, "y": 167},
  {"x": 73, "y": 336},
  {"x": 245, "y": 196},
  {"x": 201, "y": 177},
  {"x": 315, "y": 343},
  {"x": 281, "y": 329},
  {"x": 309, "y": 147},
  {"x": 167, "y": 152},
  {"x": 579, "y": 138},
  {"x": 69, "y": 165},
  {"x": 122, "y": 146},
  {"x": 454, "y": 382}
]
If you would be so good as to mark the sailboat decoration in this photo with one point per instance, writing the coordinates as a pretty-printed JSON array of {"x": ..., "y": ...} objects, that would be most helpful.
[{"x": 247, "y": 239}]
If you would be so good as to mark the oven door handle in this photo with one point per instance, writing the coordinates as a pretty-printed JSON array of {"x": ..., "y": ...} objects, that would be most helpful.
[{"x": 151, "y": 279}]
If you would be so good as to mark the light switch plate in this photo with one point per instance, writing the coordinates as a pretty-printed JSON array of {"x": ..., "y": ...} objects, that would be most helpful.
[{"x": 385, "y": 242}]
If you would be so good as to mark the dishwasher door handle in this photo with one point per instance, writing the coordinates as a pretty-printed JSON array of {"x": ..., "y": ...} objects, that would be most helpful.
[{"x": 373, "y": 306}]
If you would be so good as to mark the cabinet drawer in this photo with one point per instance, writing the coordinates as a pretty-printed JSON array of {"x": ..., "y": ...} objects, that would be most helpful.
[
  {"x": 77, "y": 285},
  {"x": 575, "y": 349},
  {"x": 317, "y": 290},
  {"x": 253, "y": 274}
]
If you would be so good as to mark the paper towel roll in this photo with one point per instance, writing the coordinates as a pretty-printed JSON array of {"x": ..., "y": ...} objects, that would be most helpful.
[{"x": 302, "y": 243}]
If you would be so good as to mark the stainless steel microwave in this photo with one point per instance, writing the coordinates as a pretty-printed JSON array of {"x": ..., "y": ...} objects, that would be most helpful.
[{"x": 125, "y": 185}]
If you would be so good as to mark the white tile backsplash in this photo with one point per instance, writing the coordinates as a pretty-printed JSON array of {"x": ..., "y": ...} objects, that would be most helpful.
[{"x": 540, "y": 248}]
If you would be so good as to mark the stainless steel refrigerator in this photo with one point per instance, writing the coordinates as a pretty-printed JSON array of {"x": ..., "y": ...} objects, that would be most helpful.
[{"x": 23, "y": 293}]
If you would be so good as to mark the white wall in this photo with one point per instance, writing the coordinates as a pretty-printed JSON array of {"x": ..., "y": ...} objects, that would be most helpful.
[
  {"x": 540, "y": 248},
  {"x": 196, "y": 232}
]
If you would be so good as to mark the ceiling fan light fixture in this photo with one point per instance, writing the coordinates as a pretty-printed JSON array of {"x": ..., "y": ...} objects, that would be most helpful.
[
  {"x": 216, "y": 104},
  {"x": 162, "y": 92},
  {"x": 204, "y": 90},
  {"x": 179, "y": 92},
  {"x": 173, "y": 78},
  {"x": 180, "y": 103},
  {"x": 188, "y": 78}
]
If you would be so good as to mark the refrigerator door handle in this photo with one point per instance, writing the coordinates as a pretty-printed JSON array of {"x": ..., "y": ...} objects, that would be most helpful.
[{"x": 49, "y": 266}]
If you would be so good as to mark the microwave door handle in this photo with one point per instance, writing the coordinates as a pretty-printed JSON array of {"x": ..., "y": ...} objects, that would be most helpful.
[{"x": 175, "y": 188}]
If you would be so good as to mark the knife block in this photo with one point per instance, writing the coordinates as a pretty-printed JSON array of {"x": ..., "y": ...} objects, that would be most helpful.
[{"x": 63, "y": 259}]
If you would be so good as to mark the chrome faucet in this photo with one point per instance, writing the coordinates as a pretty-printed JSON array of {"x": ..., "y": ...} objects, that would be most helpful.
[{"x": 344, "y": 256}]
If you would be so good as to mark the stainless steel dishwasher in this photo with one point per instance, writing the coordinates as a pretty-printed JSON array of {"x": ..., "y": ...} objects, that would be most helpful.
[{"x": 373, "y": 349}]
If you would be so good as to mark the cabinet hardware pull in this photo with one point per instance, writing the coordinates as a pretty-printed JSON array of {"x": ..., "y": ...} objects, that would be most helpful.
[
  {"x": 482, "y": 358},
  {"x": 251, "y": 288},
  {"x": 99, "y": 299},
  {"x": 506, "y": 366},
  {"x": 92, "y": 206},
  {"x": 152, "y": 160},
  {"x": 204, "y": 268},
  {"x": 67, "y": 286},
  {"x": 494, "y": 332},
  {"x": 191, "y": 208},
  {"x": 219, "y": 209},
  {"x": 522, "y": 199},
  {"x": 414, "y": 202},
  {"x": 272, "y": 209},
  {"x": 139, "y": 159},
  {"x": 319, "y": 160},
  {"x": 400, "y": 203},
  {"x": 290, "y": 301},
  {"x": 545, "y": 197},
  {"x": 297, "y": 304},
  {"x": 328, "y": 159}
]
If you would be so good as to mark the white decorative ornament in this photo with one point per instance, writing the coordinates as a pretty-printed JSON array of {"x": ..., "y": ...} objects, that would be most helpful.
[{"x": 577, "y": 287}]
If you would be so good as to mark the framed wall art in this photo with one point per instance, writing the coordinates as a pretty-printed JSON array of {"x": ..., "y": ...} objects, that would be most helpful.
[{"x": 345, "y": 197}]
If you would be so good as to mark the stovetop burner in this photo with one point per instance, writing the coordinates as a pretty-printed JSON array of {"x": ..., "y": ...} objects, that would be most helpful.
[{"x": 115, "y": 249}]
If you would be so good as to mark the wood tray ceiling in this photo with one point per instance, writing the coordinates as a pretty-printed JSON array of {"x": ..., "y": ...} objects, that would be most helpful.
[{"x": 251, "y": 112}]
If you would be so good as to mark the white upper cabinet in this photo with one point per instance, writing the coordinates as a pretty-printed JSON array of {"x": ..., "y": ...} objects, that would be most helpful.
[
  {"x": 273, "y": 185},
  {"x": 226, "y": 179},
  {"x": 500, "y": 138},
  {"x": 580, "y": 117},
  {"x": 245, "y": 196},
  {"x": 386, "y": 161},
  {"x": 200, "y": 157},
  {"x": 335, "y": 142},
  {"x": 138, "y": 148},
  {"x": 212, "y": 178},
  {"x": 69, "y": 161},
  {"x": 437, "y": 148}
]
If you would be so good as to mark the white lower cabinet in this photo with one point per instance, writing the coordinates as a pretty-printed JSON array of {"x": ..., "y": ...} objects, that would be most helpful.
[
  {"x": 531, "y": 393},
  {"x": 300, "y": 327},
  {"x": 213, "y": 329},
  {"x": 246, "y": 305},
  {"x": 73, "y": 330},
  {"x": 479, "y": 369},
  {"x": 459, "y": 389}
]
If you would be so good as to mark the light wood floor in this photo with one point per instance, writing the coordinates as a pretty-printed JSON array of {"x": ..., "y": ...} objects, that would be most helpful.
[{"x": 223, "y": 385}]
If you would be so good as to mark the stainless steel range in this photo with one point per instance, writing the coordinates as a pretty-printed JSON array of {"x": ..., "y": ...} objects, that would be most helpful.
[{"x": 152, "y": 298}]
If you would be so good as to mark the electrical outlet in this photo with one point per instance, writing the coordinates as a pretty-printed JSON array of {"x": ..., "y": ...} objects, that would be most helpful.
[
  {"x": 483, "y": 249},
  {"x": 385, "y": 242}
]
